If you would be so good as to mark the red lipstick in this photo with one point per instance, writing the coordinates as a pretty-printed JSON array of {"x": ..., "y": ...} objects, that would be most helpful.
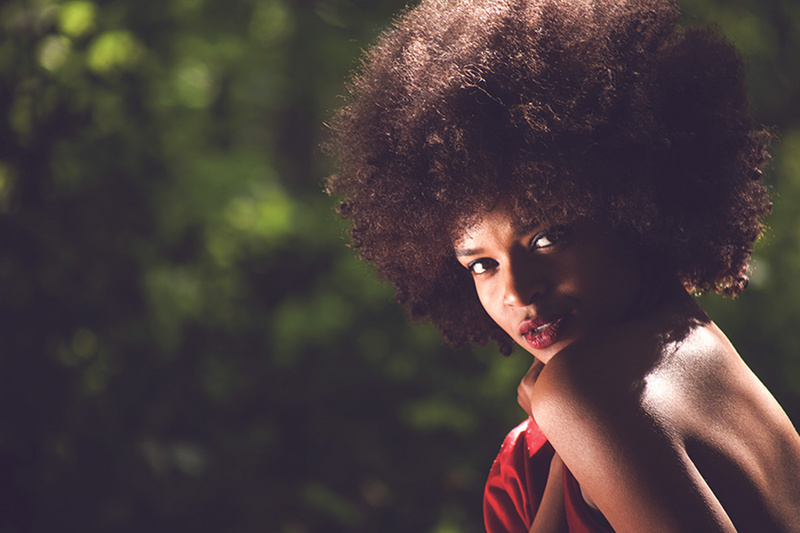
[{"x": 542, "y": 331}]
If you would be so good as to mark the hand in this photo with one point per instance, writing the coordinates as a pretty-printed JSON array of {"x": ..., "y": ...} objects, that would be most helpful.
[{"x": 525, "y": 388}]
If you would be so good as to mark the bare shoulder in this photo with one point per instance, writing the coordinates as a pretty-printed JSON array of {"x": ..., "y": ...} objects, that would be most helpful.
[
  {"x": 667, "y": 429},
  {"x": 593, "y": 404}
]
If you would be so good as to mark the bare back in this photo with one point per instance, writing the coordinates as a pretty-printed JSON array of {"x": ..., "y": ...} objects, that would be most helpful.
[
  {"x": 733, "y": 431},
  {"x": 667, "y": 429}
]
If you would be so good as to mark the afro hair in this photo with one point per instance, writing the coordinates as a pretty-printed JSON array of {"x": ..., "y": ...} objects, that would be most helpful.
[{"x": 568, "y": 108}]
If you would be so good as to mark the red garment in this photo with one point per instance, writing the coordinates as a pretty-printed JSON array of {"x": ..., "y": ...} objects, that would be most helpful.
[
  {"x": 516, "y": 484},
  {"x": 517, "y": 480}
]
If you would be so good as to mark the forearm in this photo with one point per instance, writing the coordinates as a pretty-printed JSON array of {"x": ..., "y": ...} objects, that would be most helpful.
[{"x": 551, "y": 516}]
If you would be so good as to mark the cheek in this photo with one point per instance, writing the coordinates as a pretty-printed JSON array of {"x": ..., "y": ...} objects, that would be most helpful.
[
  {"x": 486, "y": 297},
  {"x": 492, "y": 303}
]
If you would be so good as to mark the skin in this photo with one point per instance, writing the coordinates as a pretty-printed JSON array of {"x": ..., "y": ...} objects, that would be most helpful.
[
  {"x": 641, "y": 395},
  {"x": 522, "y": 273}
]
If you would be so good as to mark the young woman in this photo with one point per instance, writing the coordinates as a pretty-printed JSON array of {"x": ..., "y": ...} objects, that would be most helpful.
[{"x": 561, "y": 174}]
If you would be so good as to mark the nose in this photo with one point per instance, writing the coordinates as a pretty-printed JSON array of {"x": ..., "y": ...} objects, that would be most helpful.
[{"x": 524, "y": 282}]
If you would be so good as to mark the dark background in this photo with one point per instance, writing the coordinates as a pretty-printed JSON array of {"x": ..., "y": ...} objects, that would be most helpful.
[{"x": 186, "y": 343}]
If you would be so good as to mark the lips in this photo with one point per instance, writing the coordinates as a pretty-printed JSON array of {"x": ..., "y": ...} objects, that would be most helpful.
[{"x": 542, "y": 331}]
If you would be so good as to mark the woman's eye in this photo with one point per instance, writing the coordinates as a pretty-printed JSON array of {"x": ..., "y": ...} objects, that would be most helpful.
[
  {"x": 542, "y": 241},
  {"x": 550, "y": 237},
  {"x": 481, "y": 266}
]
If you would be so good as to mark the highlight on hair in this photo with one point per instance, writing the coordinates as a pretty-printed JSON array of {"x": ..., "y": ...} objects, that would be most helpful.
[{"x": 567, "y": 108}]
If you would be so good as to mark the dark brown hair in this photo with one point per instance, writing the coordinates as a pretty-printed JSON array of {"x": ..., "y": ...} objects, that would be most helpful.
[{"x": 568, "y": 108}]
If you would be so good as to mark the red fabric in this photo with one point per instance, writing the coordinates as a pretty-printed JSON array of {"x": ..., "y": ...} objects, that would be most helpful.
[
  {"x": 516, "y": 484},
  {"x": 517, "y": 480}
]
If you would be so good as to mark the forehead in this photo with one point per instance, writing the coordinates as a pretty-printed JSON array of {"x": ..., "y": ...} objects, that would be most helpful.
[{"x": 501, "y": 220}]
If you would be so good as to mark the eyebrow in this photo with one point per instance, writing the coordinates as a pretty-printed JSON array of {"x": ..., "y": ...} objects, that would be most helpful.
[
  {"x": 468, "y": 251},
  {"x": 526, "y": 228}
]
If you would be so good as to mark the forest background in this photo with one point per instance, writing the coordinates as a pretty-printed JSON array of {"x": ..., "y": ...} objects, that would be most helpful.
[{"x": 186, "y": 343}]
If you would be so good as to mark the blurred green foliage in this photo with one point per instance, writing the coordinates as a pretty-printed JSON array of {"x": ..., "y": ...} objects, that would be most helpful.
[{"x": 187, "y": 344}]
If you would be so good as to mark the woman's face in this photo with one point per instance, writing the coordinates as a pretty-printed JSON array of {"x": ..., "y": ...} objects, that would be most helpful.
[{"x": 548, "y": 286}]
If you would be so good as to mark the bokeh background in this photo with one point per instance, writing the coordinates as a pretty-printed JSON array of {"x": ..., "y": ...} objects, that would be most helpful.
[{"x": 186, "y": 342}]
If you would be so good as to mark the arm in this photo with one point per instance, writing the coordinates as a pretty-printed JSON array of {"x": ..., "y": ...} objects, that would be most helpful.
[
  {"x": 551, "y": 516},
  {"x": 525, "y": 388}
]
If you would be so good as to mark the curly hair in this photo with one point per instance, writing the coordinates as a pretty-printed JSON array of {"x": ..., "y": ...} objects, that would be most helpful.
[{"x": 568, "y": 108}]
